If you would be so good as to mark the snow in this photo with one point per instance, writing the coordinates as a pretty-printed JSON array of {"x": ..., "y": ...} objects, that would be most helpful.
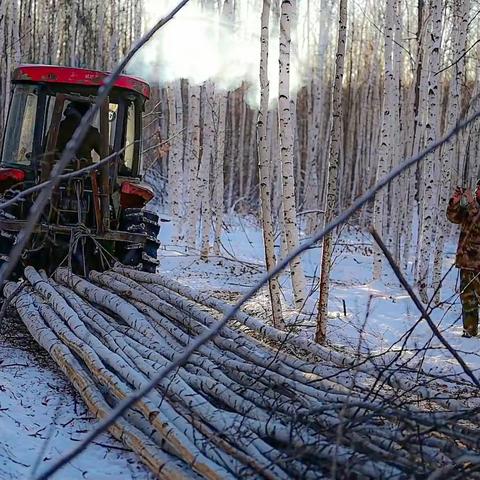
[
  {"x": 391, "y": 312},
  {"x": 37, "y": 403},
  {"x": 42, "y": 417}
]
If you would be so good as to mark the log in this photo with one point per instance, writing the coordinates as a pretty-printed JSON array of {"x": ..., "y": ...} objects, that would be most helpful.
[
  {"x": 368, "y": 366},
  {"x": 163, "y": 418},
  {"x": 161, "y": 463},
  {"x": 240, "y": 407}
]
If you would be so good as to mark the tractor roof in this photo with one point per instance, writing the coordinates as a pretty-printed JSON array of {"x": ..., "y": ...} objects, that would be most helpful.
[{"x": 76, "y": 76}]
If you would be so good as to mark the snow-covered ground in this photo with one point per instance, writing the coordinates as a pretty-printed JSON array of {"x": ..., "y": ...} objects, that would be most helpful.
[
  {"x": 36, "y": 402},
  {"x": 378, "y": 314},
  {"x": 41, "y": 417}
]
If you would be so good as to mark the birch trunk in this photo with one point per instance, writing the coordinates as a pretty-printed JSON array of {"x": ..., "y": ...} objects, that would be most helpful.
[
  {"x": 459, "y": 44},
  {"x": 192, "y": 157},
  {"x": 286, "y": 136},
  {"x": 430, "y": 195},
  {"x": 219, "y": 179},
  {"x": 398, "y": 185},
  {"x": 321, "y": 117},
  {"x": 239, "y": 154},
  {"x": 251, "y": 155},
  {"x": 231, "y": 165},
  {"x": 384, "y": 152},
  {"x": 264, "y": 170},
  {"x": 175, "y": 163},
  {"x": 205, "y": 168},
  {"x": 333, "y": 161}
]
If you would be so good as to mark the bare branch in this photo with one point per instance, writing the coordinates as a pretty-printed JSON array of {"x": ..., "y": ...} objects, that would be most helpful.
[{"x": 421, "y": 308}]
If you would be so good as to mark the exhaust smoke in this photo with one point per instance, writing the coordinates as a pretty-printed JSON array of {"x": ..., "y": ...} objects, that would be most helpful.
[{"x": 200, "y": 44}]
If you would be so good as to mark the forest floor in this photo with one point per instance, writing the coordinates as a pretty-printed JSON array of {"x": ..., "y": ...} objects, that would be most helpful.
[{"x": 37, "y": 403}]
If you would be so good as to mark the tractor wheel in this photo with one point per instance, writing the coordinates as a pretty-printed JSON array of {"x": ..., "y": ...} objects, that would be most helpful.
[{"x": 144, "y": 256}]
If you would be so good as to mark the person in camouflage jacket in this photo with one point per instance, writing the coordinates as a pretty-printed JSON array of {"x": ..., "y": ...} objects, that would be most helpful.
[{"x": 464, "y": 209}]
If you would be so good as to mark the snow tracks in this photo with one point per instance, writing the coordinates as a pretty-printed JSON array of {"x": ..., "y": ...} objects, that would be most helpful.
[{"x": 242, "y": 407}]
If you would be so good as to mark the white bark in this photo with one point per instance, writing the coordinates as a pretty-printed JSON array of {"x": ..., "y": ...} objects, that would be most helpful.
[
  {"x": 219, "y": 179},
  {"x": 240, "y": 150},
  {"x": 288, "y": 10},
  {"x": 384, "y": 151},
  {"x": 317, "y": 120},
  {"x": 430, "y": 198},
  {"x": 335, "y": 152},
  {"x": 398, "y": 141},
  {"x": 264, "y": 170},
  {"x": 449, "y": 152},
  {"x": 175, "y": 160},
  {"x": 192, "y": 157},
  {"x": 205, "y": 168},
  {"x": 231, "y": 164}
]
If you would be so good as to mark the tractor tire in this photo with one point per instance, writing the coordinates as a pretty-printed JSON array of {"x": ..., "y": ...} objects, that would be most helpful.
[
  {"x": 137, "y": 220},
  {"x": 7, "y": 241}
]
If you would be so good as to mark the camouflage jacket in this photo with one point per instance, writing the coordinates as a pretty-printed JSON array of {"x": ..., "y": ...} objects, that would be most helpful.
[{"x": 468, "y": 249}]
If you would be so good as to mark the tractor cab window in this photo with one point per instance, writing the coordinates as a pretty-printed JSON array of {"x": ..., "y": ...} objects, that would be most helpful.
[
  {"x": 130, "y": 138},
  {"x": 112, "y": 124},
  {"x": 42, "y": 120},
  {"x": 20, "y": 128},
  {"x": 70, "y": 122}
]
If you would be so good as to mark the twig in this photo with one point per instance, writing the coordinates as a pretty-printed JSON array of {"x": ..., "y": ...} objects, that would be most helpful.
[
  {"x": 458, "y": 59},
  {"x": 421, "y": 308},
  {"x": 113, "y": 447},
  {"x": 47, "y": 440},
  {"x": 153, "y": 147}
]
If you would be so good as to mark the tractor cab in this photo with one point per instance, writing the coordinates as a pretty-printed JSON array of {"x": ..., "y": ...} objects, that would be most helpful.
[
  {"x": 103, "y": 206},
  {"x": 41, "y": 95}
]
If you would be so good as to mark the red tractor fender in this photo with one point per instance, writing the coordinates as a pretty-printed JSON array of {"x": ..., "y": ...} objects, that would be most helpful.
[
  {"x": 10, "y": 177},
  {"x": 135, "y": 195}
]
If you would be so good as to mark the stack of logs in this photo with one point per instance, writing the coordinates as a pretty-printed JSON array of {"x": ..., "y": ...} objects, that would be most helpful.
[{"x": 242, "y": 407}]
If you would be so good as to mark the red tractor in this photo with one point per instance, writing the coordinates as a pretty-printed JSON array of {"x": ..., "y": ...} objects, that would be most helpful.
[{"x": 101, "y": 214}]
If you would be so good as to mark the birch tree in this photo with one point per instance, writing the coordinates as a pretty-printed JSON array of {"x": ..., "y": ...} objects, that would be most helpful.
[
  {"x": 219, "y": 180},
  {"x": 459, "y": 44},
  {"x": 218, "y": 202},
  {"x": 76, "y": 33},
  {"x": 335, "y": 150},
  {"x": 286, "y": 137},
  {"x": 397, "y": 133},
  {"x": 384, "y": 151},
  {"x": 192, "y": 157},
  {"x": 175, "y": 157},
  {"x": 264, "y": 168},
  {"x": 205, "y": 168},
  {"x": 430, "y": 201}
]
